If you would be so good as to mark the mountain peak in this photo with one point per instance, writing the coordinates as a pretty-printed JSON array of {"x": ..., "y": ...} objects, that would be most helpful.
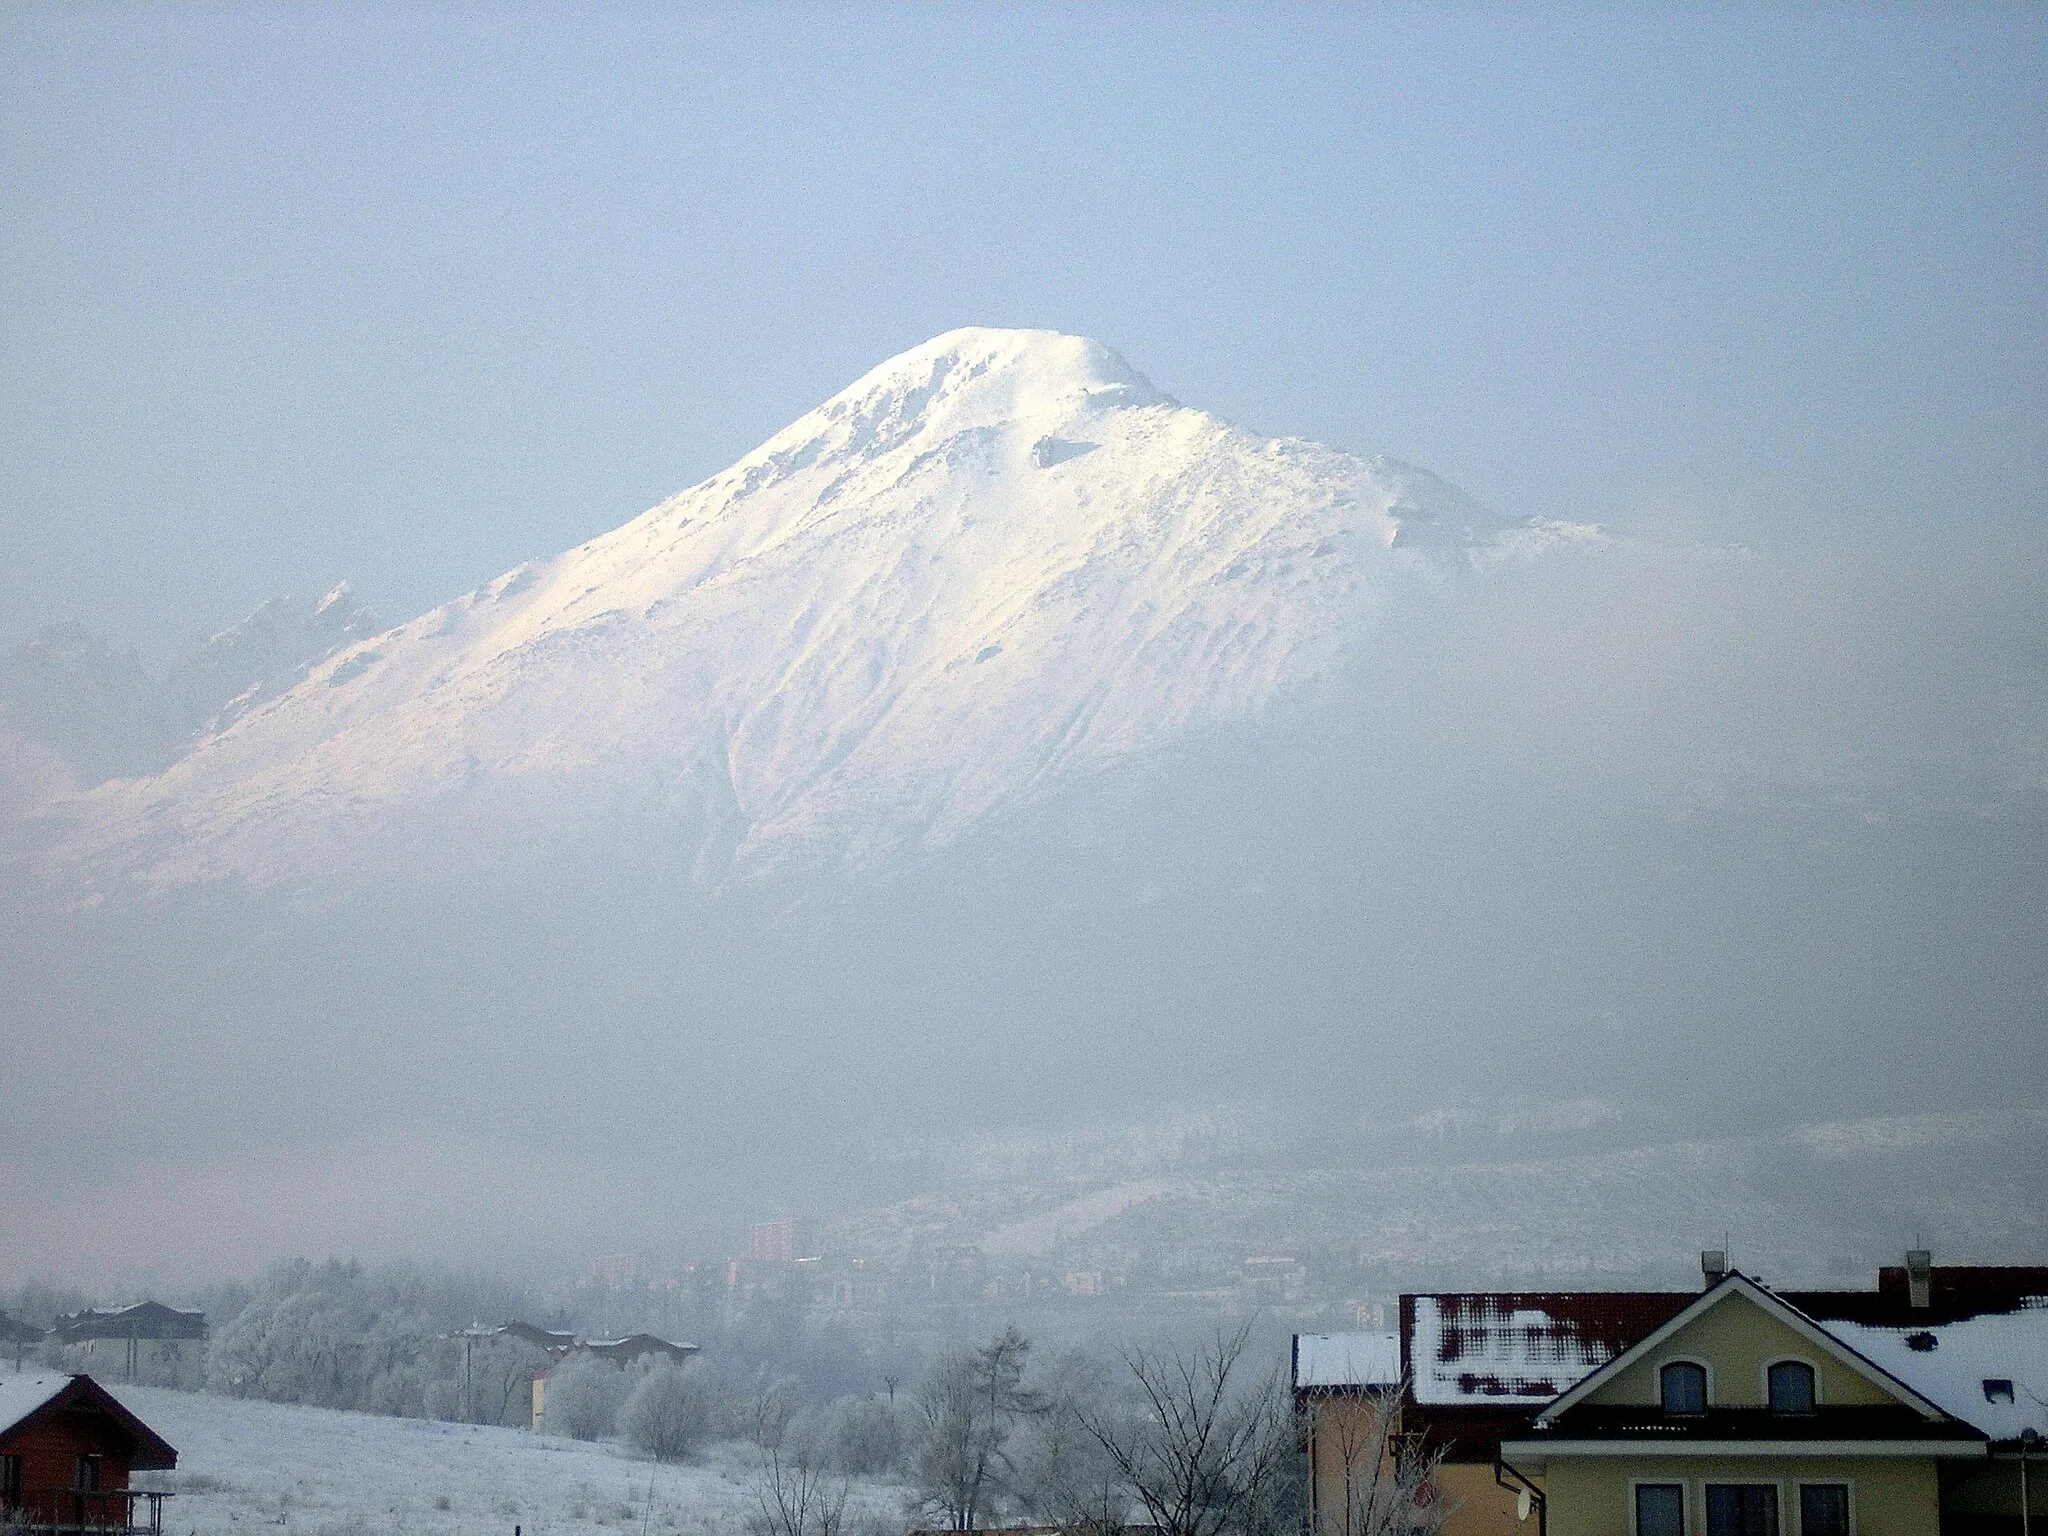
[
  {"x": 999, "y": 562},
  {"x": 965, "y": 381},
  {"x": 1049, "y": 366}
]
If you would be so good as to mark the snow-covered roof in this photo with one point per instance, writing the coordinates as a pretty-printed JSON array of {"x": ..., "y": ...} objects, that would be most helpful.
[
  {"x": 1347, "y": 1360},
  {"x": 140, "y": 1319},
  {"x": 1509, "y": 1349},
  {"x": 1994, "y": 1349},
  {"x": 21, "y": 1396}
]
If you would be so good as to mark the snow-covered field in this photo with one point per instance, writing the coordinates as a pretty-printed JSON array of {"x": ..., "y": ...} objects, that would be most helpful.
[{"x": 248, "y": 1466}]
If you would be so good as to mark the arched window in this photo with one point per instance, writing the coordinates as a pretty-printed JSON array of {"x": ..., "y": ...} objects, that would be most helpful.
[
  {"x": 1682, "y": 1386},
  {"x": 1791, "y": 1387}
]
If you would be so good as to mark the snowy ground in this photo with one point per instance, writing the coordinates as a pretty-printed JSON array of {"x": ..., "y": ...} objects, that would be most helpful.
[{"x": 250, "y": 1466}]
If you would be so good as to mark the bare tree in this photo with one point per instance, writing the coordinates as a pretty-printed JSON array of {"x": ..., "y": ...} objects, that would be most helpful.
[
  {"x": 765, "y": 1415},
  {"x": 1205, "y": 1450},
  {"x": 794, "y": 1494},
  {"x": 1058, "y": 1470},
  {"x": 1390, "y": 1478},
  {"x": 501, "y": 1373}
]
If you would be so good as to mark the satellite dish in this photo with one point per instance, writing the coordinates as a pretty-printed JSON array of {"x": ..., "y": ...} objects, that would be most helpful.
[{"x": 1522, "y": 1505}]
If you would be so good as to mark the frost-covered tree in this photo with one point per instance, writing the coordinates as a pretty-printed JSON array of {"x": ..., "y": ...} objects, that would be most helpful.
[
  {"x": 1204, "y": 1443},
  {"x": 583, "y": 1398},
  {"x": 1060, "y": 1473},
  {"x": 863, "y": 1436},
  {"x": 965, "y": 1409},
  {"x": 667, "y": 1412},
  {"x": 303, "y": 1348},
  {"x": 766, "y": 1414},
  {"x": 500, "y": 1379}
]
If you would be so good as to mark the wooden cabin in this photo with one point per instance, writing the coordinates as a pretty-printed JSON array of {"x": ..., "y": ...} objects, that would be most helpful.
[{"x": 67, "y": 1449}]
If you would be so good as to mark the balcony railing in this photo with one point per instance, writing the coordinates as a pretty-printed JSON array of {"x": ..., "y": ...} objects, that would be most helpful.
[{"x": 87, "y": 1512}]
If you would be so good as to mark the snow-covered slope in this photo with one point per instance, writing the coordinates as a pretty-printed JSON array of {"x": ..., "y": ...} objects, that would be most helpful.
[
  {"x": 92, "y": 713},
  {"x": 998, "y": 561}
]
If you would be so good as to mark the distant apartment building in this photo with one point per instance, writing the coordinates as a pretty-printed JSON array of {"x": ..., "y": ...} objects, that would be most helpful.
[{"x": 772, "y": 1242}]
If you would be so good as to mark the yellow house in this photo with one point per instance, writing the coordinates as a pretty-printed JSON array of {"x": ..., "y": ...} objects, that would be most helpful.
[
  {"x": 1740, "y": 1416},
  {"x": 1920, "y": 1406},
  {"x": 1464, "y": 1370}
]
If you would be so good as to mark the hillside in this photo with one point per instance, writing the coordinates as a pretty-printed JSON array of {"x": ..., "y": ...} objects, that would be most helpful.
[{"x": 320, "y": 1472}]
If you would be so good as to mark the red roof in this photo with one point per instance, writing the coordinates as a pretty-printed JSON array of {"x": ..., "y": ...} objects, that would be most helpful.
[{"x": 1474, "y": 1347}]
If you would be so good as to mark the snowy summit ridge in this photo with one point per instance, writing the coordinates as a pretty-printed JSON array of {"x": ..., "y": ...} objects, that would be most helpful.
[{"x": 997, "y": 560}]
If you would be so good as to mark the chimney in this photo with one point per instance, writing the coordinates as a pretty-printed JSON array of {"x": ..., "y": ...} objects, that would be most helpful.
[
  {"x": 1713, "y": 1266},
  {"x": 1919, "y": 1277}
]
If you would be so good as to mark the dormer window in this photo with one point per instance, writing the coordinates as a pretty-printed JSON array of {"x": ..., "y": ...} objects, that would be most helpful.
[
  {"x": 1791, "y": 1384},
  {"x": 1682, "y": 1387}
]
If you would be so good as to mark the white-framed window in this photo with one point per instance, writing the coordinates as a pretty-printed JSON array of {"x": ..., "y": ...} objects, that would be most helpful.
[
  {"x": 1657, "y": 1507},
  {"x": 1827, "y": 1507},
  {"x": 1744, "y": 1509},
  {"x": 1684, "y": 1386},
  {"x": 1792, "y": 1386}
]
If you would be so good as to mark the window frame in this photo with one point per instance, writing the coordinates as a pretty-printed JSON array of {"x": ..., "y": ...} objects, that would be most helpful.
[
  {"x": 1844, "y": 1482},
  {"x": 1812, "y": 1369},
  {"x": 1684, "y": 1487},
  {"x": 1777, "y": 1483},
  {"x": 1706, "y": 1370}
]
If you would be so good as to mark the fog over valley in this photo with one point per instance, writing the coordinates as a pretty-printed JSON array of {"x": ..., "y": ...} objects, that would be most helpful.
[{"x": 1011, "y": 791}]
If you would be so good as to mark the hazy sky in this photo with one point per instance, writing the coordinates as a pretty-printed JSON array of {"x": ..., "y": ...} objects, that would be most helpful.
[{"x": 407, "y": 295}]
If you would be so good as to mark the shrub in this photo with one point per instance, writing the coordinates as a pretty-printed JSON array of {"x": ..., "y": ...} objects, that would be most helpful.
[
  {"x": 583, "y": 1399},
  {"x": 667, "y": 1412},
  {"x": 863, "y": 1436}
]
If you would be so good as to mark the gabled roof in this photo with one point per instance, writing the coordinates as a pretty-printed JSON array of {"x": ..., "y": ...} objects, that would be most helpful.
[
  {"x": 1990, "y": 1371},
  {"x": 25, "y": 1399},
  {"x": 634, "y": 1345},
  {"x": 540, "y": 1338},
  {"x": 1736, "y": 1284},
  {"x": 139, "y": 1320}
]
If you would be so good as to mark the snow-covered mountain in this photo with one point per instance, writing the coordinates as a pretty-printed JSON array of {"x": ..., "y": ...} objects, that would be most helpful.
[
  {"x": 75, "y": 711},
  {"x": 1000, "y": 561}
]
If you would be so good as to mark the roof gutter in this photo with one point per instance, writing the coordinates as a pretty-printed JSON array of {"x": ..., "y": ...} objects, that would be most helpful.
[{"x": 1541, "y": 1451}]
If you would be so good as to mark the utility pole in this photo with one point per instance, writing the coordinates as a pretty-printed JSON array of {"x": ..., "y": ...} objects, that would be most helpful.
[
  {"x": 2029, "y": 1438},
  {"x": 469, "y": 1336}
]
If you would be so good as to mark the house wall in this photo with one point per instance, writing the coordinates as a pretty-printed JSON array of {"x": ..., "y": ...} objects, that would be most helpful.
[
  {"x": 1343, "y": 1431},
  {"x": 1737, "y": 1341},
  {"x": 49, "y": 1448},
  {"x": 1593, "y": 1496},
  {"x": 1479, "y": 1505}
]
